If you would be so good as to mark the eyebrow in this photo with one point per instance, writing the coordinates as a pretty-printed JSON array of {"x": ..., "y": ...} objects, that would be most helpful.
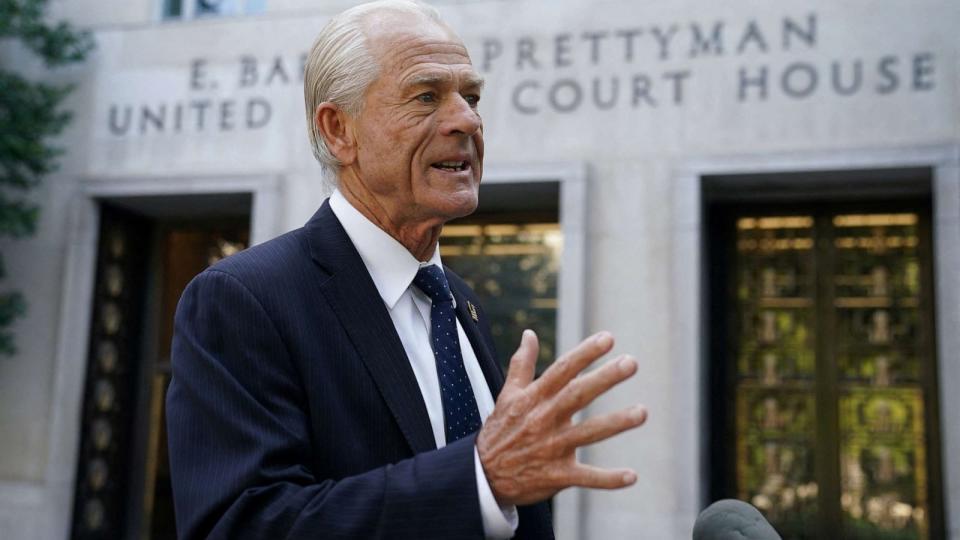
[
  {"x": 431, "y": 79},
  {"x": 475, "y": 81}
]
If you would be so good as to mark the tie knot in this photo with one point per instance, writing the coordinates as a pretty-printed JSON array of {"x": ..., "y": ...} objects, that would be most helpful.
[{"x": 431, "y": 280}]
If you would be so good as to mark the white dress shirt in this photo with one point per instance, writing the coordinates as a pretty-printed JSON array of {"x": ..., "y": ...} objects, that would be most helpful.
[{"x": 393, "y": 268}]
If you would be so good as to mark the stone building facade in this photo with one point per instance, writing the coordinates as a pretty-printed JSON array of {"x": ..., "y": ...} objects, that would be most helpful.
[{"x": 760, "y": 200}]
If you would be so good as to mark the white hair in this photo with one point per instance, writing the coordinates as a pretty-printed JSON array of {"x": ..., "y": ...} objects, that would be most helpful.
[{"x": 340, "y": 68}]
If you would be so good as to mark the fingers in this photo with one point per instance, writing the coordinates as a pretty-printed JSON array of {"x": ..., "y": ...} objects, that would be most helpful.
[
  {"x": 523, "y": 363},
  {"x": 568, "y": 366},
  {"x": 595, "y": 477},
  {"x": 602, "y": 427},
  {"x": 584, "y": 389}
]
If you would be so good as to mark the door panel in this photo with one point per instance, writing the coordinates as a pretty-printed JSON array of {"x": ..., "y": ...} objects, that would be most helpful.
[{"x": 829, "y": 369}]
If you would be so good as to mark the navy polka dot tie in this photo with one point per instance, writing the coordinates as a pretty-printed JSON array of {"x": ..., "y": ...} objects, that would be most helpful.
[{"x": 460, "y": 414}]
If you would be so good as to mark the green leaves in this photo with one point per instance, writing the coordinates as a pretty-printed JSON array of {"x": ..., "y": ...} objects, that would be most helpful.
[
  {"x": 56, "y": 45},
  {"x": 30, "y": 114},
  {"x": 12, "y": 305},
  {"x": 17, "y": 218}
]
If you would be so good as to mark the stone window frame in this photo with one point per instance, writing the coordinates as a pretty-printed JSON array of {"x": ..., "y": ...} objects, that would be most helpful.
[
  {"x": 188, "y": 10},
  {"x": 688, "y": 297}
]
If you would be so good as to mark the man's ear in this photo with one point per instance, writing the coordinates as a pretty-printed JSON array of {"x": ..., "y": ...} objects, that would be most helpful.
[{"x": 336, "y": 129}]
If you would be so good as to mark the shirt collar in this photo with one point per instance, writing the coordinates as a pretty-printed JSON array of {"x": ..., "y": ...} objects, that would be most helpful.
[{"x": 391, "y": 266}]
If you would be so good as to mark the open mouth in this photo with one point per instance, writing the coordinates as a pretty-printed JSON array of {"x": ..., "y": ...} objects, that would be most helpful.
[{"x": 451, "y": 166}]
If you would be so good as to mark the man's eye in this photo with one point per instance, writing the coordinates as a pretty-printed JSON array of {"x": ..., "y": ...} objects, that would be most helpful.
[
  {"x": 427, "y": 97},
  {"x": 472, "y": 99}
]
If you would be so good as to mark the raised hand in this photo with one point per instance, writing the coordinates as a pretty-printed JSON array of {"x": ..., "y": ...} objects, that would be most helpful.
[{"x": 528, "y": 444}]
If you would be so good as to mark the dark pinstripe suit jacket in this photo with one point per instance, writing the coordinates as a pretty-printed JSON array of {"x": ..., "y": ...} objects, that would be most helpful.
[{"x": 294, "y": 413}]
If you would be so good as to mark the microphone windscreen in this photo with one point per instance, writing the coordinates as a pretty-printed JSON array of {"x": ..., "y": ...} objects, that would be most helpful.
[{"x": 730, "y": 519}]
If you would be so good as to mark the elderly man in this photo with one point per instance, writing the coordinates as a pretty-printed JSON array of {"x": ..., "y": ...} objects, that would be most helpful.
[{"x": 337, "y": 381}]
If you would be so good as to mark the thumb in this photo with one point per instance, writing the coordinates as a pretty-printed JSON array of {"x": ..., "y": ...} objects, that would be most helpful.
[{"x": 523, "y": 363}]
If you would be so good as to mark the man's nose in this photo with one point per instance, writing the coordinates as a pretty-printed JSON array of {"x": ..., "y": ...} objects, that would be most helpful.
[{"x": 460, "y": 118}]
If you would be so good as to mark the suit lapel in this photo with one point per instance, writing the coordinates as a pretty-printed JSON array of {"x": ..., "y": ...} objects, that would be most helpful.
[
  {"x": 491, "y": 370},
  {"x": 352, "y": 295}
]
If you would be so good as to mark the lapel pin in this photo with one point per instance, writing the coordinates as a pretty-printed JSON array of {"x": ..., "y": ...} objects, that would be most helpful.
[{"x": 473, "y": 311}]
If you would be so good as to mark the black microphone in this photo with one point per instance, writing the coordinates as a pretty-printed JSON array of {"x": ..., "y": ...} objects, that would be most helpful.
[{"x": 730, "y": 519}]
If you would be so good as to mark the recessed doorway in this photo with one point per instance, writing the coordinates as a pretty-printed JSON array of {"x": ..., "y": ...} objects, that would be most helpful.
[
  {"x": 822, "y": 369},
  {"x": 149, "y": 248}
]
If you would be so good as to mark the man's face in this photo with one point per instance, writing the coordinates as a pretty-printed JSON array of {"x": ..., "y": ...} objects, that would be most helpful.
[{"x": 419, "y": 136}]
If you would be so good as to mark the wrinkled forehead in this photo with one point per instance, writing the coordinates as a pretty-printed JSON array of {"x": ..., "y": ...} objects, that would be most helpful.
[{"x": 400, "y": 40}]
